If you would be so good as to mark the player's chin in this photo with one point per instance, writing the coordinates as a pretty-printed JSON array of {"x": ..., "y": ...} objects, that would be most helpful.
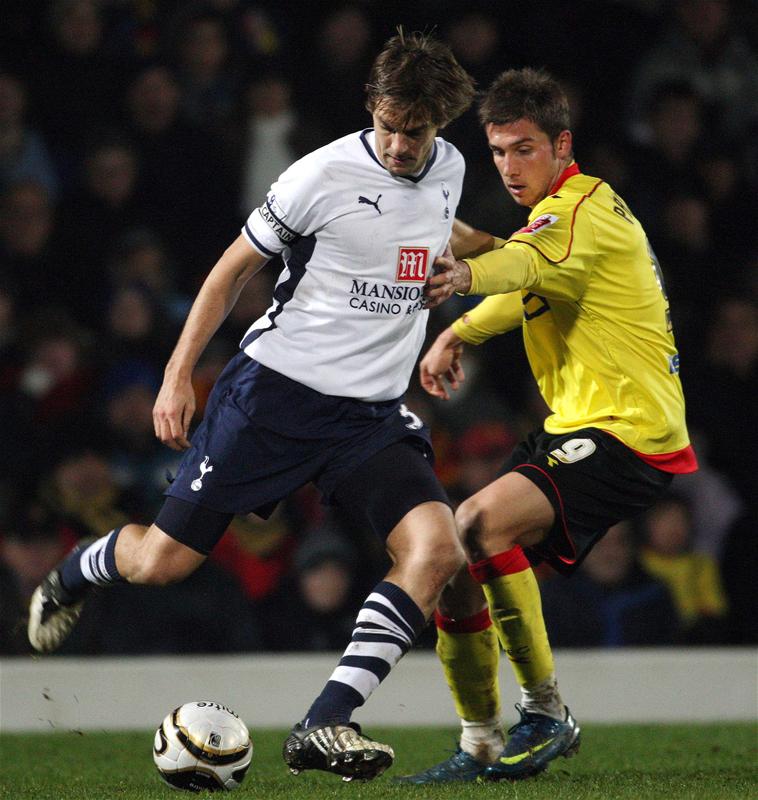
[
  {"x": 519, "y": 199},
  {"x": 402, "y": 168}
]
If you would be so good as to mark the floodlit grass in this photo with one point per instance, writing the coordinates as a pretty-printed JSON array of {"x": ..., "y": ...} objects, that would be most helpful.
[{"x": 616, "y": 761}]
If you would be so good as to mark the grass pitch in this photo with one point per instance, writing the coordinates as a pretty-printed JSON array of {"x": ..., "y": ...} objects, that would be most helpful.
[{"x": 615, "y": 762}]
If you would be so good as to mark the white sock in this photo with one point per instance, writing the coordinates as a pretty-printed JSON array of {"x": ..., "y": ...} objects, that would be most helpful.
[
  {"x": 544, "y": 699},
  {"x": 482, "y": 739}
]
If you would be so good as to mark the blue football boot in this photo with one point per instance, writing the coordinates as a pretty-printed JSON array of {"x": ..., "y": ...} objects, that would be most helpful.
[
  {"x": 459, "y": 767},
  {"x": 535, "y": 740}
]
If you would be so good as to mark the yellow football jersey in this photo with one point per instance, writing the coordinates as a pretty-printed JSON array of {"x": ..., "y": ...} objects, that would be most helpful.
[{"x": 584, "y": 284}]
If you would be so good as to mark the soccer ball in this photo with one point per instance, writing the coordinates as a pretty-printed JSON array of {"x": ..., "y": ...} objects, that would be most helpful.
[{"x": 202, "y": 746}]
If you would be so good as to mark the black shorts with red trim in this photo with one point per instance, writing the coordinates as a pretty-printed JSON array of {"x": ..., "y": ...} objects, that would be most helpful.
[{"x": 592, "y": 481}]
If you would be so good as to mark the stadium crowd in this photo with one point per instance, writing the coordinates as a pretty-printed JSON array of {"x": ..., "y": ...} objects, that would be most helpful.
[{"x": 135, "y": 138}]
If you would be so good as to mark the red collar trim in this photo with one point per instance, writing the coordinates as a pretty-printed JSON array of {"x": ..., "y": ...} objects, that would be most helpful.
[{"x": 571, "y": 170}]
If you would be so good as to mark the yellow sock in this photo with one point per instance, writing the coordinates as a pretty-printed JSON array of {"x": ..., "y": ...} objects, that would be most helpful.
[
  {"x": 469, "y": 652},
  {"x": 515, "y": 606}
]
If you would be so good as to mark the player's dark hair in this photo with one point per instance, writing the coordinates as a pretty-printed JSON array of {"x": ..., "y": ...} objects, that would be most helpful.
[
  {"x": 526, "y": 94},
  {"x": 421, "y": 76}
]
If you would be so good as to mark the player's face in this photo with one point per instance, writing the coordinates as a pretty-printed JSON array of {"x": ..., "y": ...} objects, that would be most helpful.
[
  {"x": 403, "y": 146},
  {"x": 528, "y": 161}
]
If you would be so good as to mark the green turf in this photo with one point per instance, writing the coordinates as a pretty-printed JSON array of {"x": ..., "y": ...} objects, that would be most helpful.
[{"x": 616, "y": 761}]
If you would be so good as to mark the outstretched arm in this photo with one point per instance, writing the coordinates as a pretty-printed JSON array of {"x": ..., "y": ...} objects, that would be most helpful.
[
  {"x": 468, "y": 242},
  {"x": 175, "y": 403},
  {"x": 503, "y": 270}
]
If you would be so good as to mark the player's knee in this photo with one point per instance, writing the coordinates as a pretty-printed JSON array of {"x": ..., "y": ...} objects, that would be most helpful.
[
  {"x": 441, "y": 559},
  {"x": 469, "y": 518},
  {"x": 451, "y": 557}
]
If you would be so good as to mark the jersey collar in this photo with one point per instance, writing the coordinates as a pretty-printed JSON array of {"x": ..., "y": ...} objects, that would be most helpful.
[
  {"x": 571, "y": 170},
  {"x": 414, "y": 178}
]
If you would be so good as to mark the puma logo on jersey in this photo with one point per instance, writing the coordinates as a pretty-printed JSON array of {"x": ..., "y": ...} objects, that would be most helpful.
[
  {"x": 197, "y": 484},
  {"x": 374, "y": 203}
]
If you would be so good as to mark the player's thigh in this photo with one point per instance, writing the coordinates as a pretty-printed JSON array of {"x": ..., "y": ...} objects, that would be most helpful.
[
  {"x": 593, "y": 481},
  {"x": 396, "y": 494},
  {"x": 510, "y": 510},
  {"x": 163, "y": 559},
  {"x": 173, "y": 547}
]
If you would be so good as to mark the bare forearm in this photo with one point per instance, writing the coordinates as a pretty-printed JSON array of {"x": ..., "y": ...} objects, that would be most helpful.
[
  {"x": 213, "y": 303},
  {"x": 468, "y": 242}
]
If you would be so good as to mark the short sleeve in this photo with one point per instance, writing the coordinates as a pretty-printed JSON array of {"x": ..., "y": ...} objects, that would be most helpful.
[{"x": 294, "y": 207}]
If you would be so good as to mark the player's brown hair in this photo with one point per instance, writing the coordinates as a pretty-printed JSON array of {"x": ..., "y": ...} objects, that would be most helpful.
[
  {"x": 421, "y": 76},
  {"x": 526, "y": 93}
]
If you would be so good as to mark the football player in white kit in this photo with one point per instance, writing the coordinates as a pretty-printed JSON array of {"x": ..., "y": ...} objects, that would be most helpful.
[{"x": 316, "y": 392}]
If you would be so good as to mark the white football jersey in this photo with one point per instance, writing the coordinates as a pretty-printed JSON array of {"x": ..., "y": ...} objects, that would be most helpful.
[{"x": 358, "y": 243}]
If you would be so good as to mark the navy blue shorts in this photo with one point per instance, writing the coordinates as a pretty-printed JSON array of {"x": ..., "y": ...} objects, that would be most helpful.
[
  {"x": 592, "y": 480},
  {"x": 264, "y": 436}
]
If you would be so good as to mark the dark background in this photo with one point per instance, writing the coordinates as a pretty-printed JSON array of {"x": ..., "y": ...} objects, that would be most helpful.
[{"x": 136, "y": 137}]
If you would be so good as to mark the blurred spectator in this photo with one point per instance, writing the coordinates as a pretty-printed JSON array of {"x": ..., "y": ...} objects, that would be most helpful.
[
  {"x": 46, "y": 398},
  {"x": 481, "y": 450},
  {"x": 714, "y": 503},
  {"x": 331, "y": 86},
  {"x": 608, "y": 158},
  {"x": 184, "y": 180},
  {"x": 76, "y": 85},
  {"x": 685, "y": 247},
  {"x": 268, "y": 152},
  {"x": 275, "y": 134},
  {"x": 24, "y": 155},
  {"x": 705, "y": 45},
  {"x": 610, "y": 601},
  {"x": 206, "y": 71},
  {"x": 206, "y": 613},
  {"x": 693, "y": 578},
  {"x": 258, "y": 551},
  {"x": 725, "y": 177},
  {"x": 10, "y": 346},
  {"x": 721, "y": 391},
  {"x": 140, "y": 258},
  {"x": 316, "y": 607},
  {"x": 81, "y": 494},
  {"x": 27, "y": 251},
  {"x": 739, "y": 563},
  {"x": 138, "y": 461},
  {"x": 105, "y": 206},
  {"x": 475, "y": 38},
  {"x": 665, "y": 164},
  {"x": 135, "y": 328}
]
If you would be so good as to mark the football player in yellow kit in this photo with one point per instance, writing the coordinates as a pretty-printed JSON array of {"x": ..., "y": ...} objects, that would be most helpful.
[{"x": 583, "y": 284}]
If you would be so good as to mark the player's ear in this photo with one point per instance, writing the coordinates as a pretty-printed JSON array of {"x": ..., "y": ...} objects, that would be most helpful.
[{"x": 563, "y": 145}]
